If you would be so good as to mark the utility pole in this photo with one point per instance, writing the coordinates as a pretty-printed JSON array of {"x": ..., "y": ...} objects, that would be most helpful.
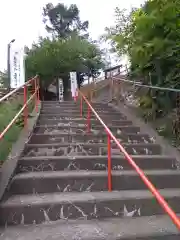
[{"x": 8, "y": 63}]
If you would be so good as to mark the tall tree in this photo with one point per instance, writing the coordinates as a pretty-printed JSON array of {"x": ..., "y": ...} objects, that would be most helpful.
[
  {"x": 56, "y": 58},
  {"x": 62, "y": 21},
  {"x": 150, "y": 37}
]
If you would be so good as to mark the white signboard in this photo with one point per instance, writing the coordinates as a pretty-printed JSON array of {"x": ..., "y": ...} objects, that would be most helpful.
[
  {"x": 61, "y": 90},
  {"x": 73, "y": 78},
  {"x": 17, "y": 68}
]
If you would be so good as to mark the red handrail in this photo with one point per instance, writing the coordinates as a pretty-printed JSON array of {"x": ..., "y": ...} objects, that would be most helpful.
[
  {"x": 147, "y": 182},
  {"x": 35, "y": 82},
  {"x": 17, "y": 89}
]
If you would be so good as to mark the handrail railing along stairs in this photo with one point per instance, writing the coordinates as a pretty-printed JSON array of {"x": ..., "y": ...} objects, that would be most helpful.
[{"x": 162, "y": 202}]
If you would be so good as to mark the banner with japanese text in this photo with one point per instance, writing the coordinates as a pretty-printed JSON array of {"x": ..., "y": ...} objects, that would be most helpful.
[{"x": 17, "y": 68}]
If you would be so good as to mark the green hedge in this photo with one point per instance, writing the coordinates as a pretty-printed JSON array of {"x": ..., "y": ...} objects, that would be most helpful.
[{"x": 8, "y": 110}]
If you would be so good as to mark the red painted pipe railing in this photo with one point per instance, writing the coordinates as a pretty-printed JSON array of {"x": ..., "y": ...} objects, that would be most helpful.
[
  {"x": 142, "y": 175},
  {"x": 34, "y": 82}
]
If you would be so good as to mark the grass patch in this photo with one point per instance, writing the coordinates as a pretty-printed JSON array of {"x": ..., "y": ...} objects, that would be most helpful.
[{"x": 8, "y": 110}]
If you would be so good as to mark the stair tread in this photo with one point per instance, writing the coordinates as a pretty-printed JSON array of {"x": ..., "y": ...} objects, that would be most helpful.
[
  {"x": 88, "y": 144},
  {"x": 120, "y": 157},
  {"x": 91, "y": 173},
  {"x": 65, "y": 197},
  {"x": 92, "y": 134},
  {"x": 125, "y": 228},
  {"x": 110, "y": 126}
]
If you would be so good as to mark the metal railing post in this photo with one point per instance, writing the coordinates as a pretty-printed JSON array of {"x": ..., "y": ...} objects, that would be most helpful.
[
  {"x": 89, "y": 120},
  {"x": 38, "y": 89},
  {"x": 36, "y": 97},
  {"x": 26, "y": 107},
  {"x": 109, "y": 162},
  {"x": 81, "y": 106}
]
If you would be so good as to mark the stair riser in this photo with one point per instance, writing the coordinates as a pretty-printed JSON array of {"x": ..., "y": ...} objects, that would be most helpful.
[
  {"x": 80, "y": 130},
  {"x": 73, "y": 114},
  {"x": 79, "y": 120},
  {"x": 94, "y": 209},
  {"x": 70, "y": 119},
  {"x": 73, "y": 123},
  {"x": 83, "y": 150},
  {"x": 89, "y": 183},
  {"x": 74, "y": 108},
  {"x": 70, "y": 104},
  {"x": 45, "y": 138},
  {"x": 92, "y": 164},
  {"x": 51, "y": 116},
  {"x": 76, "y": 112},
  {"x": 77, "y": 116}
]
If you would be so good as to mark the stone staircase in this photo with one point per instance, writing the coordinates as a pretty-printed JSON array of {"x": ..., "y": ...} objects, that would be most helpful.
[{"x": 60, "y": 188}]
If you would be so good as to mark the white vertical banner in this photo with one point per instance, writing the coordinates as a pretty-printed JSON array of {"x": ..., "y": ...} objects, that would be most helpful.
[
  {"x": 61, "y": 89},
  {"x": 17, "y": 67},
  {"x": 73, "y": 78}
]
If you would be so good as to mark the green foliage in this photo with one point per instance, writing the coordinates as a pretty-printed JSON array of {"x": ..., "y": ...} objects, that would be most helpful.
[
  {"x": 3, "y": 79},
  {"x": 56, "y": 58},
  {"x": 8, "y": 110},
  {"x": 150, "y": 36},
  {"x": 64, "y": 21},
  {"x": 68, "y": 48}
]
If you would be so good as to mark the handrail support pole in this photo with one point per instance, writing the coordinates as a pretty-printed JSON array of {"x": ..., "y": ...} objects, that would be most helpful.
[
  {"x": 89, "y": 120},
  {"x": 81, "y": 106},
  {"x": 109, "y": 162},
  {"x": 26, "y": 107},
  {"x": 36, "y": 96},
  {"x": 38, "y": 89}
]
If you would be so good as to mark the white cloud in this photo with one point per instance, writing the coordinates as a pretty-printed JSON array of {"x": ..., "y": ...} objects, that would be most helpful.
[{"x": 22, "y": 19}]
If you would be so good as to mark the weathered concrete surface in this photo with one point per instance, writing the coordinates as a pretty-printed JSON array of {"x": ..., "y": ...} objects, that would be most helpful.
[
  {"x": 61, "y": 163},
  {"x": 80, "y": 181},
  {"x": 76, "y": 149},
  {"x": 65, "y": 178},
  {"x": 38, "y": 208},
  {"x": 151, "y": 228},
  {"x": 88, "y": 138}
]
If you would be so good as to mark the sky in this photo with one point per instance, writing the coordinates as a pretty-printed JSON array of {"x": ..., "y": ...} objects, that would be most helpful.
[{"x": 22, "y": 19}]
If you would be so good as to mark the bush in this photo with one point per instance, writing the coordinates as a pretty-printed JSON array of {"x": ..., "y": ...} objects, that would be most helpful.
[{"x": 8, "y": 110}]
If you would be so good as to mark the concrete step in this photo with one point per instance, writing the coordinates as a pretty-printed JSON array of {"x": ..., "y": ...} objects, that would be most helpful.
[
  {"x": 65, "y": 103},
  {"x": 78, "y": 119},
  {"x": 37, "y": 208},
  {"x": 88, "y": 138},
  {"x": 59, "y": 179},
  {"x": 52, "y": 116},
  {"x": 105, "y": 117},
  {"x": 68, "y": 103},
  {"x": 57, "y": 163},
  {"x": 74, "y": 149},
  {"x": 76, "y": 112},
  {"x": 83, "y": 122},
  {"x": 115, "y": 115},
  {"x": 90, "y": 181},
  {"x": 77, "y": 107},
  {"x": 73, "y": 129},
  {"x": 144, "y": 228}
]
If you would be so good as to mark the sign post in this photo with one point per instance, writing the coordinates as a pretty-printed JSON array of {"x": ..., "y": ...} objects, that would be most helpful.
[
  {"x": 17, "y": 68},
  {"x": 73, "y": 78},
  {"x": 61, "y": 90}
]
